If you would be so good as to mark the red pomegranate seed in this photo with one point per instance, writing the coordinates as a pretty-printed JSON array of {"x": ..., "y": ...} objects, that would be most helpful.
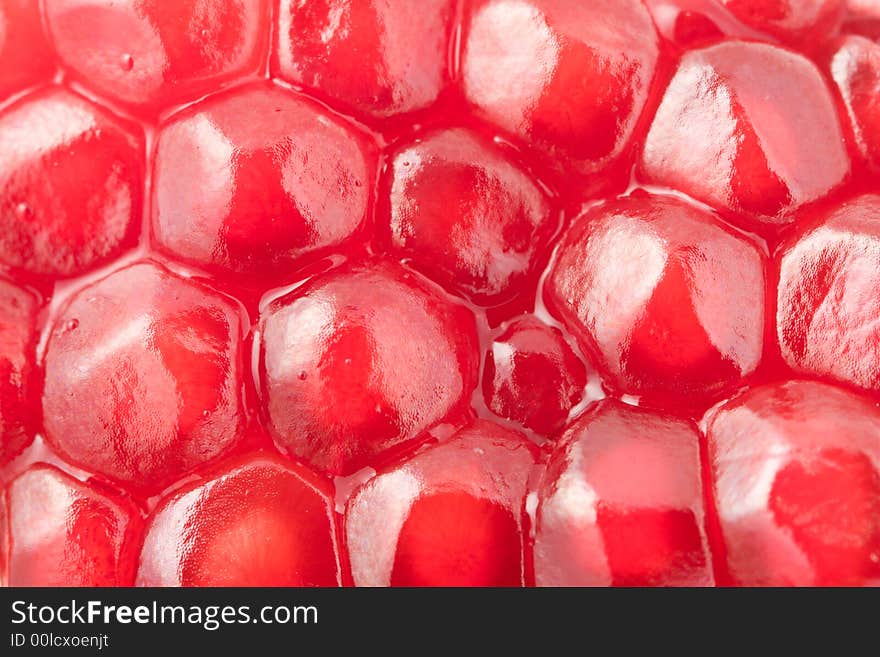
[
  {"x": 363, "y": 360},
  {"x": 152, "y": 54},
  {"x": 63, "y": 532},
  {"x": 532, "y": 376},
  {"x": 568, "y": 79},
  {"x": 467, "y": 217},
  {"x": 377, "y": 57},
  {"x": 70, "y": 192},
  {"x": 259, "y": 522},
  {"x": 796, "y": 470},
  {"x": 452, "y": 515},
  {"x": 670, "y": 300},
  {"x": 621, "y": 503},
  {"x": 18, "y": 413},
  {"x": 144, "y": 377},
  {"x": 255, "y": 196},
  {"x": 747, "y": 144}
]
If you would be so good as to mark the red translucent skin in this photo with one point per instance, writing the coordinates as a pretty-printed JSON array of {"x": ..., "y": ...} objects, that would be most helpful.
[
  {"x": 532, "y": 376},
  {"x": 27, "y": 58},
  {"x": 152, "y": 53},
  {"x": 735, "y": 141},
  {"x": 669, "y": 299},
  {"x": 595, "y": 528},
  {"x": 253, "y": 196},
  {"x": 145, "y": 386},
  {"x": 466, "y": 216},
  {"x": 261, "y": 521},
  {"x": 70, "y": 191},
  {"x": 796, "y": 469},
  {"x": 18, "y": 415},
  {"x": 826, "y": 316},
  {"x": 855, "y": 69},
  {"x": 376, "y": 57},
  {"x": 591, "y": 60},
  {"x": 363, "y": 360},
  {"x": 452, "y": 515},
  {"x": 63, "y": 532}
]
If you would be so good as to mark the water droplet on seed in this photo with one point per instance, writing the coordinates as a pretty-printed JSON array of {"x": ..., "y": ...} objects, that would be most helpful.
[{"x": 22, "y": 210}]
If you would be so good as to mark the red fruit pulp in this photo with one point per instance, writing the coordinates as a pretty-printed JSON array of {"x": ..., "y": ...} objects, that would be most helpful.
[{"x": 269, "y": 269}]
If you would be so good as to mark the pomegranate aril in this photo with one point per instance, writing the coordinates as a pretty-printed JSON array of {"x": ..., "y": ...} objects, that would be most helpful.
[
  {"x": 795, "y": 471},
  {"x": 70, "y": 184},
  {"x": 668, "y": 298},
  {"x": 466, "y": 216},
  {"x": 828, "y": 303},
  {"x": 532, "y": 376},
  {"x": 63, "y": 532},
  {"x": 18, "y": 412},
  {"x": 855, "y": 69},
  {"x": 363, "y": 360},
  {"x": 25, "y": 56},
  {"x": 452, "y": 515},
  {"x": 377, "y": 57},
  {"x": 254, "y": 180},
  {"x": 568, "y": 79},
  {"x": 156, "y": 54},
  {"x": 747, "y": 144},
  {"x": 144, "y": 377},
  {"x": 258, "y": 522},
  {"x": 621, "y": 503}
]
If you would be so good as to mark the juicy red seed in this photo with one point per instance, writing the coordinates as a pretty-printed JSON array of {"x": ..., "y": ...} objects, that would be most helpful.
[
  {"x": 70, "y": 191},
  {"x": 747, "y": 144},
  {"x": 259, "y": 522},
  {"x": 670, "y": 300},
  {"x": 363, "y": 360},
  {"x": 453, "y": 515},
  {"x": 596, "y": 528},
  {"x": 27, "y": 58},
  {"x": 18, "y": 310},
  {"x": 827, "y": 310},
  {"x": 802, "y": 22},
  {"x": 378, "y": 57},
  {"x": 532, "y": 376},
  {"x": 144, "y": 375},
  {"x": 253, "y": 180},
  {"x": 855, "y": 69},
  {"x": 467, "y": 216},
  {"x": 569, "y": 79},
  {"x": 63, "y": 532},
  {"x": 795, "y": 469},
  {"x": 155, "y": 54}
]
